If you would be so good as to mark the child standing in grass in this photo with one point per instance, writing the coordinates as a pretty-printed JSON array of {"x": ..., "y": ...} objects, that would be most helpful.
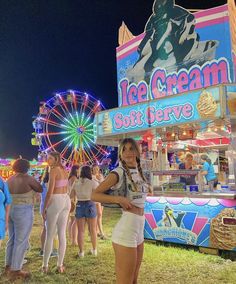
[{"x": 128, "y": 234}]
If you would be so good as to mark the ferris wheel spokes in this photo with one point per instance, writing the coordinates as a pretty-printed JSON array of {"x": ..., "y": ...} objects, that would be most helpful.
[{"x": 67, "y": 126}]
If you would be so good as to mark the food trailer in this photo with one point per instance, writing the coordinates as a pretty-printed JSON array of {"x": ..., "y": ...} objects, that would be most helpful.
[{"x": 177, "y": 83}]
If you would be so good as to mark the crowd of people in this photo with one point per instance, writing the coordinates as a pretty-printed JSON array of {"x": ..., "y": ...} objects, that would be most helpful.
[{"x": 74, "y": 201}]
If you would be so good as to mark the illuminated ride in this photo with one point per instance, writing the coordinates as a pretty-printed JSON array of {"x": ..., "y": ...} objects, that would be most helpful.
[{"x": 65, "y": 123}]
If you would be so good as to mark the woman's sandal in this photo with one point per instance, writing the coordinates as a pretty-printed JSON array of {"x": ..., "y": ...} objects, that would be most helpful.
[
  {"x": 45, "y": 269},
  {"x": 61, "y": 269}
]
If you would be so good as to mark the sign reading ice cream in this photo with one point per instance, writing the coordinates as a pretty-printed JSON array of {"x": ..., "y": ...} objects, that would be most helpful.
[
  {"x": 178, "y": 52},
  {"x": 193, "y": 107}
]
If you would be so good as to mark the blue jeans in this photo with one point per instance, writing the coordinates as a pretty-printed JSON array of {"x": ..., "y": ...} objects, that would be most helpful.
[{"x": 19, "y": 229}]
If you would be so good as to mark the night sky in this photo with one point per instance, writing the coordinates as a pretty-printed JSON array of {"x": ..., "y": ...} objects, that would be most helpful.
[{"x": 56, "y": 45}]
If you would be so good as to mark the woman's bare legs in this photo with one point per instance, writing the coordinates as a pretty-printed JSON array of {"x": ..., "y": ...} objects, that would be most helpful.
[
  {"x": 74, "y": 232},
  {"x": 92, "y": 224},
  {"x": 139, "y": 261},
  {"x": 99, "y": 219},
  {"x": 81, "y": 225},
  {"x": 126, "y": 264}
]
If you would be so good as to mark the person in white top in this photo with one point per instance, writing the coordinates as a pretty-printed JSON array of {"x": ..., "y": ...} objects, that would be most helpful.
[
  {"x": 98, "y": 177},
  {"x": 85, "y": 208},
  {"x": 128, "y": 234}
]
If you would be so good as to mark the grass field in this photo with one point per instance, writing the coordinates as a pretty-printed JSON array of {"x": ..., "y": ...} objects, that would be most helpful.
[{"x": 161, "y": 264}]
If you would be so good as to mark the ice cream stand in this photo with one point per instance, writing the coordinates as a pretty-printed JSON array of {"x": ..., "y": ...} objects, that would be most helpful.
[{"x": 176, "y": 81}]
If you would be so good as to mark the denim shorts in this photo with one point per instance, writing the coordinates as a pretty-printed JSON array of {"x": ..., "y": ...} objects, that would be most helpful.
[{"x": 85, "y": 209}]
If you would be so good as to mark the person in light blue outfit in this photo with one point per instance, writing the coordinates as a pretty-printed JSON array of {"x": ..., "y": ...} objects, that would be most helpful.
[
  {"x": 22, "y": 188},
  {"x": 209, "y": 172},
  {"x": 5, "y": 201}
]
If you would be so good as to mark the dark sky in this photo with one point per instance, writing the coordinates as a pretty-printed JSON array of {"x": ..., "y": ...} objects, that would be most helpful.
[{"x": 56, "y": 45}]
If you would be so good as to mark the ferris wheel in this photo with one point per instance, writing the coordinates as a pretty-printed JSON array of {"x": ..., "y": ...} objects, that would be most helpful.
[{"x": 65, "y": 123}]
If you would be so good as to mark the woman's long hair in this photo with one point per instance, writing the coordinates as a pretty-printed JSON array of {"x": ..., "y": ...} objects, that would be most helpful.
[
  {"x": 86, "y": 172},
  {"x": 45, "y": 177},
  {"x": 206, "y": 158},
  {"x": 124, "y": 165},
  {"x": 57, "y": 157},
  {"x": 73, "y": 171}
]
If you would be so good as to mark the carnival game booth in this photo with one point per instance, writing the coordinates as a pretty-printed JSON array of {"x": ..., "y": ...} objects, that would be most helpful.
[{"x": 176, "y": 82}]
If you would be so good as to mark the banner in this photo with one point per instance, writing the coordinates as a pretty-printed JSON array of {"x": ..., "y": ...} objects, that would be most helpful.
[
  {"x": 178, "y": 52},
  {"x": 206, "y": 222},
  {"x": 188, "y": 108}
]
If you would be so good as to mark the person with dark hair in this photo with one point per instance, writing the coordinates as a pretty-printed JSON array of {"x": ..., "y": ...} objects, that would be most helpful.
[
  {"x": 209, "y": 172},
  {"x": 98, "y": 177},
  {"x": 22, "y": 187},
  {"x": 187, "y": 165},
  {"x": 85, "y": 208},
  {"x": 5, "y": 201},
  {"x": 72, "y": 225},
  {"x": 44, "y": 183},
  {"x": 128, "y": 234},
  {"x": 56, "y": 210}
]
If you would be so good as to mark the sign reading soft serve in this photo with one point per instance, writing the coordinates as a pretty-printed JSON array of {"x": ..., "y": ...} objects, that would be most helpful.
[{"x": 197, "y": 106}]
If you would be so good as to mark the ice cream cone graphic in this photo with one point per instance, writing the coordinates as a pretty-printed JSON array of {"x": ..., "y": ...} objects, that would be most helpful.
[
  {"x": 207, "y": 105},
  {"x": 107, "y": 123}
]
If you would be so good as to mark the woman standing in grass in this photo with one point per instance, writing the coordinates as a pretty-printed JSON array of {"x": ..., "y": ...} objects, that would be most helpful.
[
  {"x": 85, "y": 208},
  {"x": 22, "y": 188},
  {"x": 128, "y": 234},
  {"x": 56, "y": 210}
]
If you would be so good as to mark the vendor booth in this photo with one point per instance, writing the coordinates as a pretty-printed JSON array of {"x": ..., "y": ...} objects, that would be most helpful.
[{"x": 177, "y": 93}]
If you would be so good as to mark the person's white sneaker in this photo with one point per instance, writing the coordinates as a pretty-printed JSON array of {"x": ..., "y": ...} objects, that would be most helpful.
[
  {"x": 25, "y": 261},
  {"x": 93, "y": 252},
  {"x": 81, "y": 254}
]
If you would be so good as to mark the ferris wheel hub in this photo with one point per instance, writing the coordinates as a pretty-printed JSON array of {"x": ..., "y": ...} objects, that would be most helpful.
[{"x": 80, "y": 129}]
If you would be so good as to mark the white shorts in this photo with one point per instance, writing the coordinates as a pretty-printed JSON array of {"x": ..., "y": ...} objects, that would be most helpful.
[{"x": 129, "y": 231}]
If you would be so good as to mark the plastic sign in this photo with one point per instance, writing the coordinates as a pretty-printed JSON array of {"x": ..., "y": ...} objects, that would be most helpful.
[
  {"x": 5, "y": 173},
  {"x": 197, "y": 106},
  {"x": 178, "y": 52},
  {"x": 194, "y": 221}
]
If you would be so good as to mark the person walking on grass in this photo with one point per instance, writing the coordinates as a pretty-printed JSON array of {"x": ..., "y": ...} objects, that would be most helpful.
[
  {"x": 98, "y": 177},
  {"x": 72, "y": 225},
  {"x": 128, "y": 234},
  {"x": 22, "y": 188},
  {"x": 85, "y": 209},
  {"x": 5, "y": 201},
  {"x": 56, "y": 210}
]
